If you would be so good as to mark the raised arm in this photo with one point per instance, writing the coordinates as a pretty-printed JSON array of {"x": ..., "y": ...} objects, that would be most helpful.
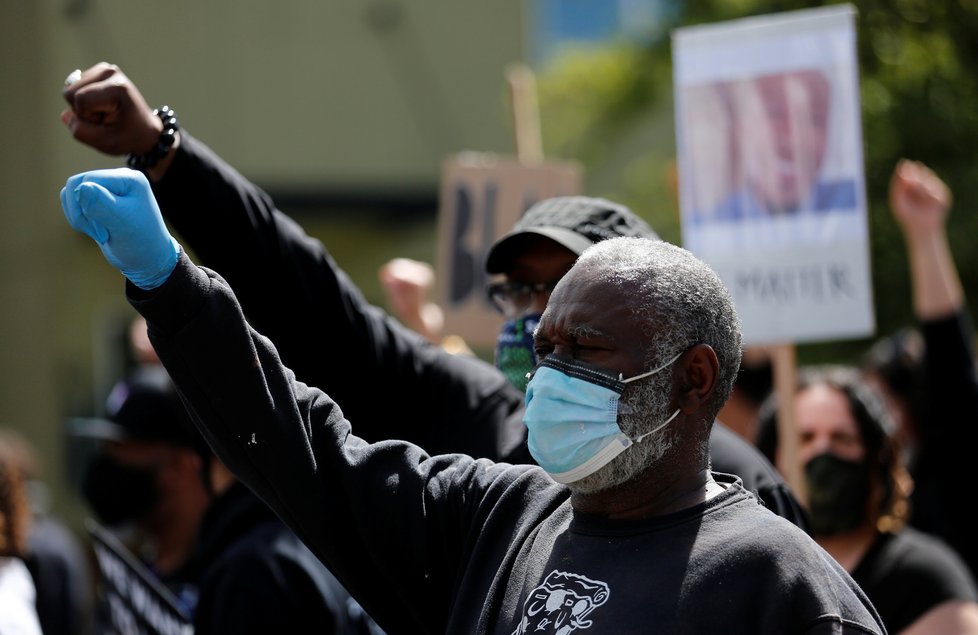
[
  {"x": 920, "y": 202},
  {"x": 393, "y": 523},
  {"x": 294, "y": 293},
  {"x": 947, "y": 410}
]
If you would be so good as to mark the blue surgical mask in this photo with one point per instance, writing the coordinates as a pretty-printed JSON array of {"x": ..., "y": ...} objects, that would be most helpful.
[
  {"x": 572, "y": 418},
  {"x": 515, "y": 356}
]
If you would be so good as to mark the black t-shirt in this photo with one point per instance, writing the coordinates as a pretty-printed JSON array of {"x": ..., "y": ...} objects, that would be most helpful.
[{"x": 908, "y": 573}]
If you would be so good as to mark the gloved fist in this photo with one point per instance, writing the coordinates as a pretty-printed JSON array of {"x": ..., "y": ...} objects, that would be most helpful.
[{"x": 116, "y": 208}]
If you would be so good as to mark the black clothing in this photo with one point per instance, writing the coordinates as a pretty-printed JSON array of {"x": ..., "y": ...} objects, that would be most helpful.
[
  {"x": 294, "y": 293},
  {"x": 909, "y": 573},
  {"x": 255, "y": 576},
  {"x": 731, "y": 453},
  {"x": 62, "y": 576},
  {"x": 452, "y": 544},
  {"x": 948, "y": 435}
]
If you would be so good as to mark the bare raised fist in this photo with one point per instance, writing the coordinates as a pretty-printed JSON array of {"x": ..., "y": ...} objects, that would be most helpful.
[{"x": 107, "y": 112}]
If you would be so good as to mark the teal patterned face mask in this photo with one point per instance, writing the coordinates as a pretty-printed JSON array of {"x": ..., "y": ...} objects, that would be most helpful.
[
  {"x": 515, "y": 356},
  {"x": 572, "y": 418}
]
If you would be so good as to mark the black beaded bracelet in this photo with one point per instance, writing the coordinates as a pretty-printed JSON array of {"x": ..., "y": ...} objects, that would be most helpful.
[{"x": 143, "y": 162}]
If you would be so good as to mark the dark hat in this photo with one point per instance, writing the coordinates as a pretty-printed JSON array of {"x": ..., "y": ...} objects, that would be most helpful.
[
  {"x": 575, "y": 222},
  {"x": 143, "y": 407}
]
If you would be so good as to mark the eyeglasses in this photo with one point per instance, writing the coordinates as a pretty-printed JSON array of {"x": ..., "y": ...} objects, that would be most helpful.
[{"x": 514, "y": 299}]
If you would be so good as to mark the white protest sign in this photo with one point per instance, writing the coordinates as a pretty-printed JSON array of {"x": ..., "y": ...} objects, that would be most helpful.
[
  {"x": 482, "y": 196},
  {"x": 772, "y": 190},
  {"x": 138, "y": 603}
]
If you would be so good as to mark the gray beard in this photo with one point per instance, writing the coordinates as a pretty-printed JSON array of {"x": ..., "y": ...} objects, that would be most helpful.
[{"x": 641, "y": 408}]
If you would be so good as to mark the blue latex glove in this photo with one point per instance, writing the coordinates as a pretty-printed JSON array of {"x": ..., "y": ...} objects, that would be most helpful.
[{"x": 116, "y": 208}]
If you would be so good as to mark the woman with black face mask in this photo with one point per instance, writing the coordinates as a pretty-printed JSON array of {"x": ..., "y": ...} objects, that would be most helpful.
[{"x": 858, "y": 504}]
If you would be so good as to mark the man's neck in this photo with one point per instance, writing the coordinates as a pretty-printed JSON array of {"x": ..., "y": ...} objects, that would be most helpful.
[{"x": 649, "y": 495}]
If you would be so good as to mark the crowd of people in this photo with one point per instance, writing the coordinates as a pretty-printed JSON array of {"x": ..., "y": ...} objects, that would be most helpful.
[
  {"x": 312, "y": 463},
  {"x": 229, "y": 563}
]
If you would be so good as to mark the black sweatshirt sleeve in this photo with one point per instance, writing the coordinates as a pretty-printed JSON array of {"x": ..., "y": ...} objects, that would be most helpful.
[
  {"x": 385, "y": 376},
  {"x": 393, "y": 523}
]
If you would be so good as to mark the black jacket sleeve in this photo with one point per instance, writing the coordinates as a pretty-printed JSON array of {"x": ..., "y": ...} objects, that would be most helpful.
[
  {"x": 385, "y": 376},
  {"x": 947, "y": 426},
  {"x": 394, "y": 524}
]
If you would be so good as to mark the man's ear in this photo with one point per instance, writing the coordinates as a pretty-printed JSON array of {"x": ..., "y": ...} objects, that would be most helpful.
[{"x": 699, "y": 369}]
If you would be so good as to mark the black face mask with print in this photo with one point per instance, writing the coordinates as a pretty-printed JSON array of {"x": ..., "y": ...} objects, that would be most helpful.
[
  {"x": 838, "y": 493},
  {"x": 119, "y": 494}
]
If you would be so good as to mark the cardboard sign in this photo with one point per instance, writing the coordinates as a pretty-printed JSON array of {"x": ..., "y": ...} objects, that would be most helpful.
[
  {"x": 482, "y": 196},
  {"x": 772, "y": 189},
  {"x": 138, "y": 603}
]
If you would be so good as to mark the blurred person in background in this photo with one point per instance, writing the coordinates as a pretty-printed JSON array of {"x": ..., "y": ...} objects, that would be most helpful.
[
  {"x": 290, "y": 289},
  {"x": 18, "y": 611},
  {"x": 754, "y": 383},
  {"x": 927, "y": 372},
  {"x": 458, "y": 544},
  {"x": 144, "y": 483},
  {"x": 140, "y": 349},
  {"x": 233, "y": 564},
  {"x": 858, "y": 489},
  {"x": 57, "y": 559}
]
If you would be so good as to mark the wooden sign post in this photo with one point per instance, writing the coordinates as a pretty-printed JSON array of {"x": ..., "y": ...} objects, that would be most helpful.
[{"x": 482, "y": 196}]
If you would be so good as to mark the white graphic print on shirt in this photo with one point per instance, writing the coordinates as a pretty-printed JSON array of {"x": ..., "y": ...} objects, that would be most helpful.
[{"x": 561, "y": 604}]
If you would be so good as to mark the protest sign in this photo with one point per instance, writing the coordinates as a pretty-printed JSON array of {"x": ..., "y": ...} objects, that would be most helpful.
[
  {"x": 137, "y": 602},
  {"x": 772, "y": 192},
  {"x": 482, "y": 196}
]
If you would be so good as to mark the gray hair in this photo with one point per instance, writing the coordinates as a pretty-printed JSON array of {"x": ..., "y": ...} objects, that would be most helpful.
[{"x": 677, "y": 297}]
